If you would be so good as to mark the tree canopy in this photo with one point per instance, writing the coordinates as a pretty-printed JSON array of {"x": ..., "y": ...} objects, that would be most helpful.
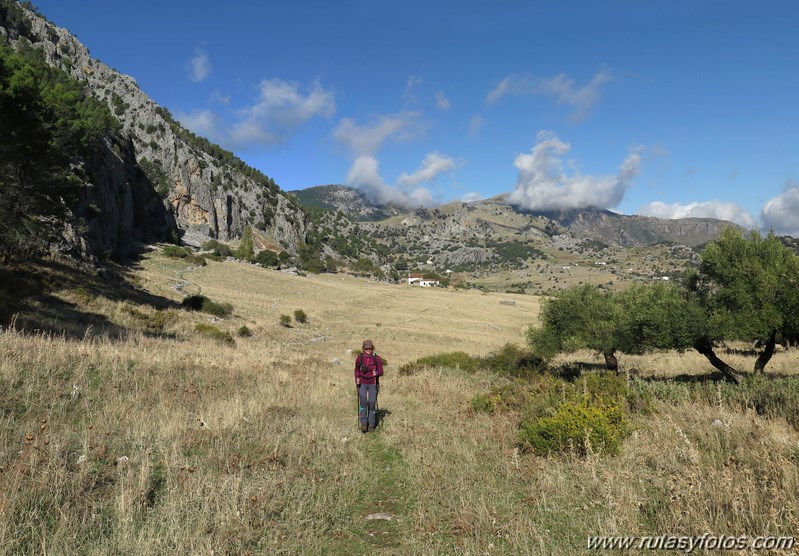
[
  {"x": 49, "y": 124},
  {"x": 746, "y": 288}
]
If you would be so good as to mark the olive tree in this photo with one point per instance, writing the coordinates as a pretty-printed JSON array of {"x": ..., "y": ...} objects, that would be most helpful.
[
  {"x": 578, "y": 318},
  {"x": 748, "y": 288},
  {"x": 638, "y": 319}
]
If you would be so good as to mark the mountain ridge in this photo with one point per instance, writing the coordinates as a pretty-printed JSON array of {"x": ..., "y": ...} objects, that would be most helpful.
[{"x": 591, "y": 223}]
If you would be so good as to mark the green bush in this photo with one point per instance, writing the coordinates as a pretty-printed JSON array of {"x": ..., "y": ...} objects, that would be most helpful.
[
  {"x": 176, "y": 252},
  {"x": 486, "y": 403},
  {"x": 454, "y": 360},
  {"x": 202, "y": 303},
  {"x": 580, "y": 427},
  {"x": 215, "y": 333},
  {"x": 514, "y": 361},
  {"x": 244, "y": 332},
  {"x": 266, "y": 258},
  {"x": 217, "y": 249},
  {"x": 300, "y": 316},
  {"x": 285, "y": 320}
]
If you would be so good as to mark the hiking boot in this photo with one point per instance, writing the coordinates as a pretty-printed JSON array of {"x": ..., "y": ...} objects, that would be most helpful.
[
  {"x": 371, "y": 429},
  {"x": 363, "y": 428}
]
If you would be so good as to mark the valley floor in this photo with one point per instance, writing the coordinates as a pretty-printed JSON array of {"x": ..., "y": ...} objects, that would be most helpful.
[{"x": 179, "y": 443}]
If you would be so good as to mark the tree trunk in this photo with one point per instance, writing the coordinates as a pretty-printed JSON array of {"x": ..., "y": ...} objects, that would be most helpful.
[
  {"x": 705, "y": 347},
  {"x": 765, "y": 357},
  {"x": 611, "y": 363}
]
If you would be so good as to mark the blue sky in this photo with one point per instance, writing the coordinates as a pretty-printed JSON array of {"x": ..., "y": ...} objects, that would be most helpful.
[{"x": 666, "y": 108}]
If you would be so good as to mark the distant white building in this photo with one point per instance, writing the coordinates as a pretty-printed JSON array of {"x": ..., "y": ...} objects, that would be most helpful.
[{"x": 420, "y": 280}]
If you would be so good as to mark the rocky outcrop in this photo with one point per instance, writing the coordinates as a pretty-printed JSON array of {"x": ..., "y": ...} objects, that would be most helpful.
[{"x": 205, "y": 189}]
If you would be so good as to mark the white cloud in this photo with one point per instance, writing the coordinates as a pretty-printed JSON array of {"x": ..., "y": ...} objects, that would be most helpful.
[
  {"x": 199, "y": 65},
  {"x": 581, "y": 99},
  {"x": 364, "y": 174},
  {"x": 432, "y": 165},
  {"x": 542, "y": 183},
  {"x": 219, "y": 98},
  {"x": 442, "y": 102},
  {"x": 503, "y": 88},
  {"x": 204, "y": 123},
  {"x": 280, "y": 109},
  {"x": 475, "y": 125},
  {"x": 367, "y": 139},
  {"x": 707, "y": 209},
  {"x": 472, "y": 196},
  {"x": 781, "y": 213}
]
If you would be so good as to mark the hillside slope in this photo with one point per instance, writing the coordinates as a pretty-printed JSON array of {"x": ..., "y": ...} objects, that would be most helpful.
[{"x": 206, "y": 189}]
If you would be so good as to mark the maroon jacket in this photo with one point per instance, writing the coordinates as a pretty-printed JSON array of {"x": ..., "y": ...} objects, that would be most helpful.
[{"x": 371, "y": 371}]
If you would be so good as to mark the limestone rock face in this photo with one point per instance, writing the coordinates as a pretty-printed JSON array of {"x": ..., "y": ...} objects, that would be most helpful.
[{"x": 203, "y": 188}]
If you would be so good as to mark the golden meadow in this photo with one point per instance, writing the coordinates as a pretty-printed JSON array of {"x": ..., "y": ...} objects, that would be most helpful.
[{"x": 141, "y": 433}]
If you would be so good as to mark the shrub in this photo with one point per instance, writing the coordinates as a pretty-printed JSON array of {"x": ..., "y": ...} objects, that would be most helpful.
[
  {"x": 514, "y": 361},
  {"x": 175, "y": 251},
  {"x": 266, "y": 258},
  {"x": 244, "y": 332},
  {"x": 486, "y": 403},
  {"x": 577, "y": 426},
  {"x": 285, "y": 320},
  {"x": 300, "y": 316},
  {"x": 215, "y": 333},
  {"x": 217, "y": 249},
  {"x": 155, "y": 321},
  {"x": 202, "y": 303},
  {"x": 454, "y": 360}
]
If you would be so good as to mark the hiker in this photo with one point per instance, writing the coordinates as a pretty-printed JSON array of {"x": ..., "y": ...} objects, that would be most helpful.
[{"x": 368, "y": 370}]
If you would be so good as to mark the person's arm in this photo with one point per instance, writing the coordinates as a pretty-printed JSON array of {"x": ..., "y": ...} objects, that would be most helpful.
[
  {"x": 357, "y": 371},
  {"x": 379, "y": 363}
]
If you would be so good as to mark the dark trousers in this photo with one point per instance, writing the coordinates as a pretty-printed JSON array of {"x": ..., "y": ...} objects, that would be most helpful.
[{"x": 367, "y": 401}]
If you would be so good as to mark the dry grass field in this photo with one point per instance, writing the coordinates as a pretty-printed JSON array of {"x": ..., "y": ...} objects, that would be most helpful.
[{"x": 180, "y": 443}]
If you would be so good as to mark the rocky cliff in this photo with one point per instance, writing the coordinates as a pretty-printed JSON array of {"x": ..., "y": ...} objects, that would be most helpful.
[{"x": 201, "y": 187}]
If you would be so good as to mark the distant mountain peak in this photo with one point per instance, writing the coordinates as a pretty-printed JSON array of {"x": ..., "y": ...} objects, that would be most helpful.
[{"x": 351, "y": 202}]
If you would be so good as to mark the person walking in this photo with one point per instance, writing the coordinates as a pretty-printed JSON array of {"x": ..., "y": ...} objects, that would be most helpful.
[{"x": 368, "y": 370}]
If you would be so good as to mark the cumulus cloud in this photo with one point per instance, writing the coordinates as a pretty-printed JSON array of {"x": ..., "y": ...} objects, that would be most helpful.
[
  {"x": 199, "y": 65},
  {"x": 433, "y": 164},
  {"x": 364, "y": 174},
  {"x": 543, "y": 184},
  {"x": 442, "y": 102},
  {"x": 781, "y": 214},
  {"x": 367, "y": 139},
  {"x": 708, "y": 209},
  {"x": 280, "y": 109},
  {"x": 581, "y": 99},
  {"x": 204, "y": 123}
]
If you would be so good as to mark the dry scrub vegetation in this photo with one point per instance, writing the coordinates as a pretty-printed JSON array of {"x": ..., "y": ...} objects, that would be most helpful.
[{"x": 177, "y": 443}]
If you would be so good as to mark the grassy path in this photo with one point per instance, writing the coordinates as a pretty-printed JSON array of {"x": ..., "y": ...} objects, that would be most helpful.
[{"x": 382, "y": 518}]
